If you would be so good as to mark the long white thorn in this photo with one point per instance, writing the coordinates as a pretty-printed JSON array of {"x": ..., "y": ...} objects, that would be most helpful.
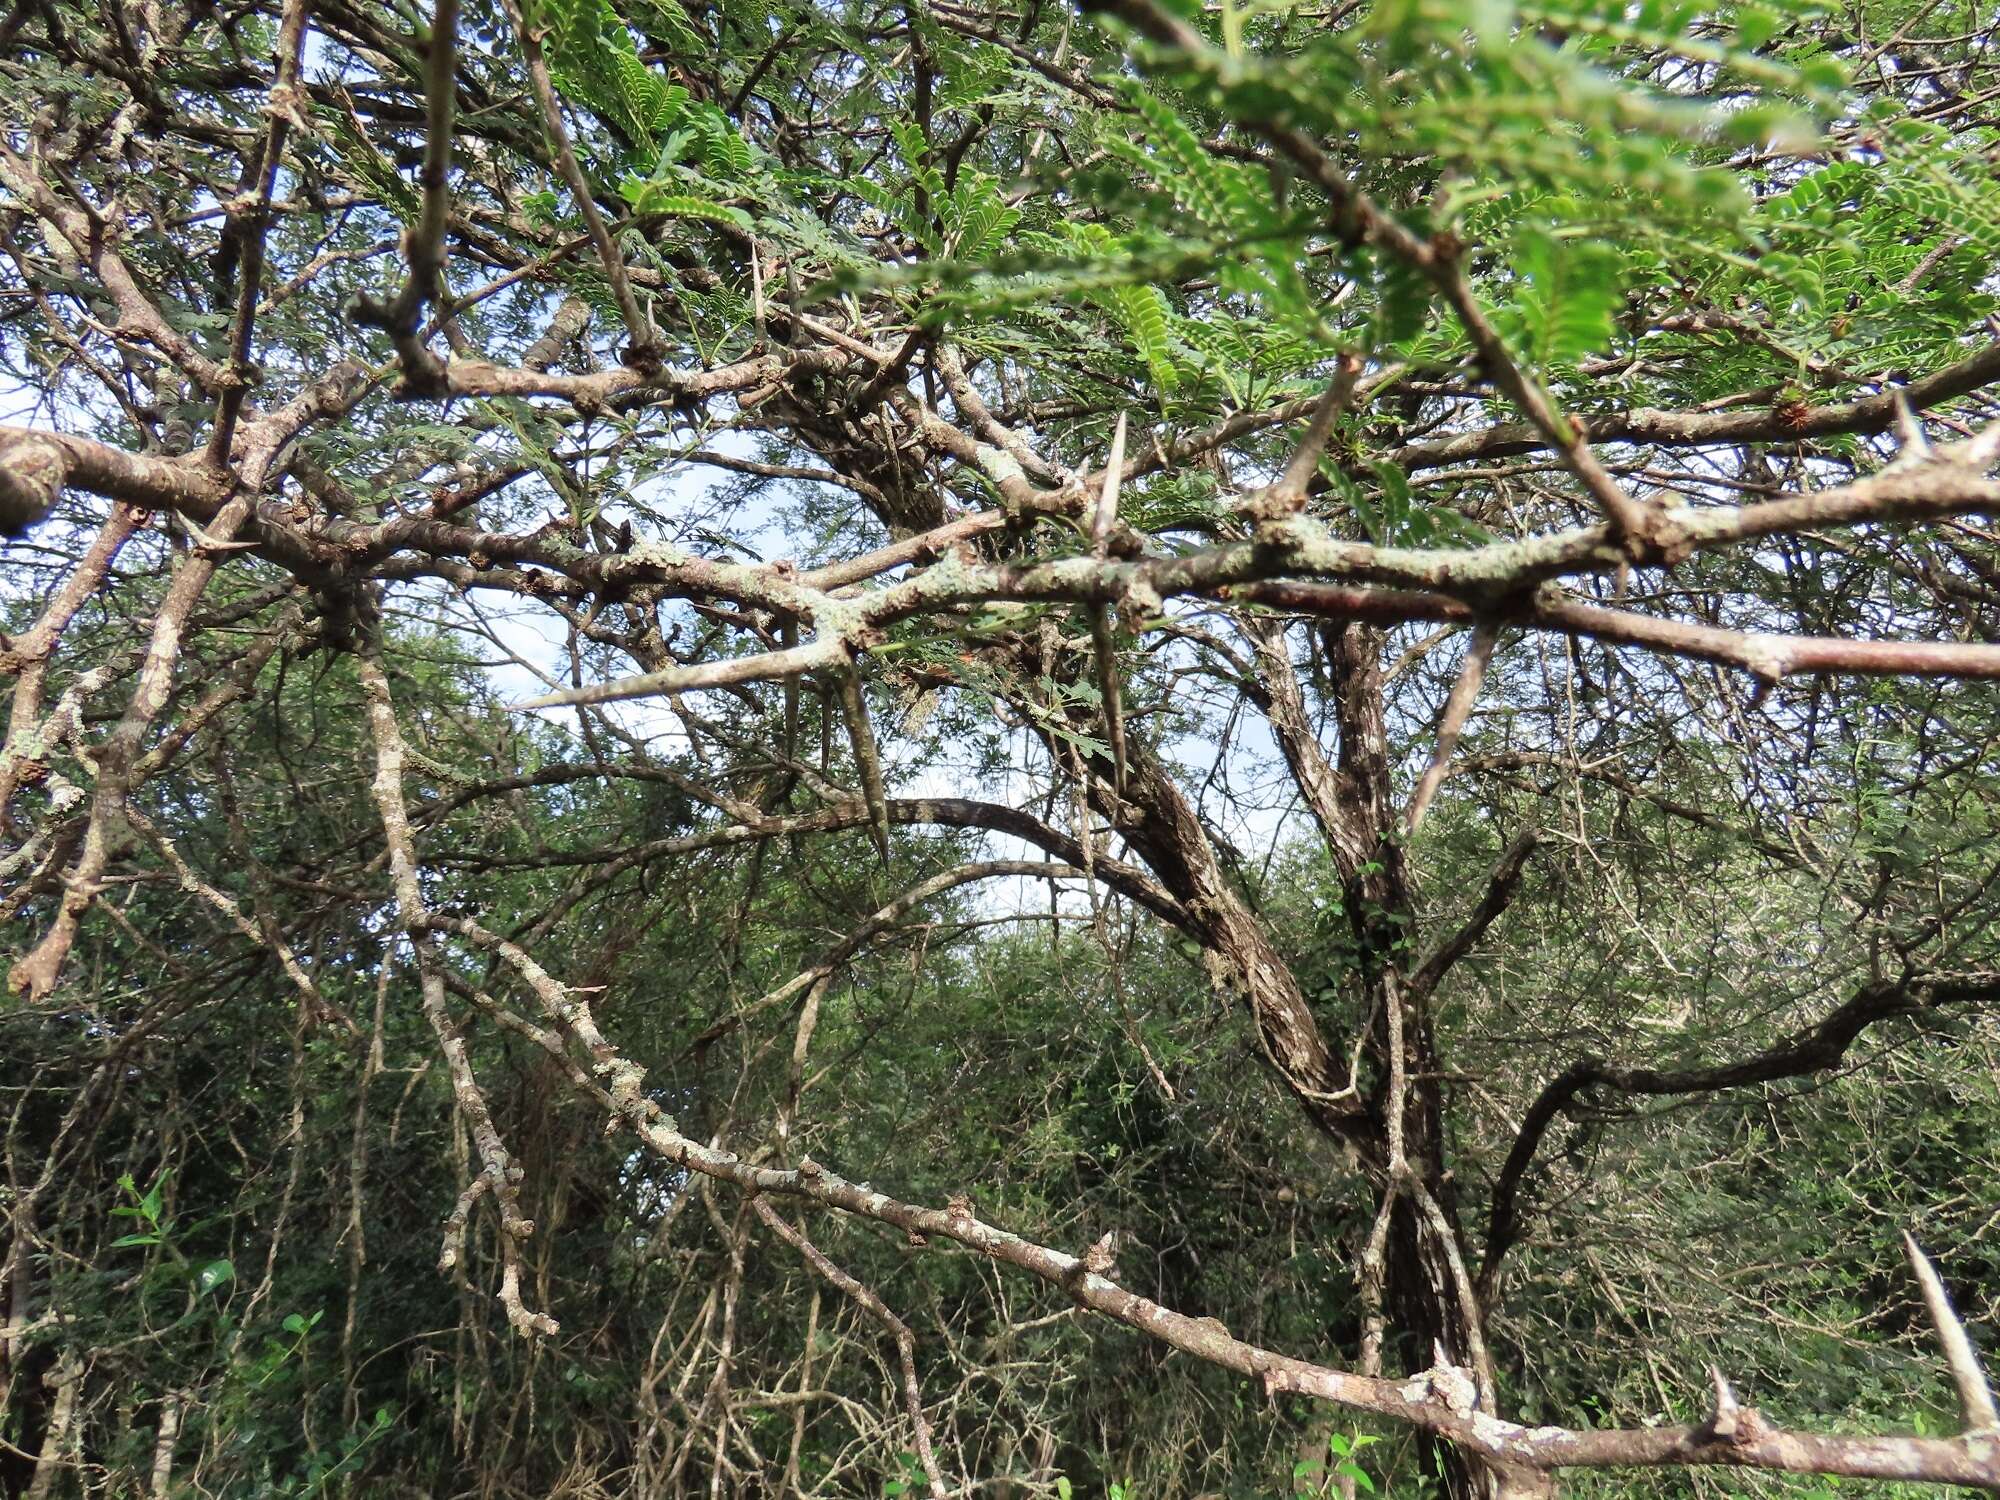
[
  {"x": 1104, "y": 640},
  {"x": 1913, "y": 447},
  {"x": 1975, "y": 1396},
  {"x": 1722, "y": 1421},
  {"x": 1106, "y": 513}
]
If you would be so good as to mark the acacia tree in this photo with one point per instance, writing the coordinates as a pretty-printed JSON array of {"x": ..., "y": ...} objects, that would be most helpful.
[{"x": 1504, "y": 422}]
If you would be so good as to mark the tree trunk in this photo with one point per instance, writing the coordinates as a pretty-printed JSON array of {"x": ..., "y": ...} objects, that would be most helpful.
[
  {"x": 1424, "y": 1313},
  {"x": 1427, "y": 1296},
  {"x": 1353, "y": 805}
]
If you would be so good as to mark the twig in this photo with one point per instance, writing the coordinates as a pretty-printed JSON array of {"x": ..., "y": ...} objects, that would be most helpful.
[
  {"x": 252, "y": 222},
  {"x": 497, "y": 1175},
  {"x": 867, "y": 758},
  {"x": 425, "y": 244},
  {"x": 643, "y": 351}
]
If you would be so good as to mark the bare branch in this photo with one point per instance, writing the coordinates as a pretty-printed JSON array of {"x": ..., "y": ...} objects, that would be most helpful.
[
  {"x": 1501, "y": 885},
  {"x": 1457, "y": 709},
  {"x": 867, "y": 758},
  {"x": 782, "y": 665},
  {"x": 1756, "y": 1445},
  {"x": 1814, "y": 1051},
  {"x": 1290, "y": 491},
  {"x": 1696, "y": 429},
  {"x": 250, "y": 223},
  {"x": 424, "y": 243},
  {"x": 497, "y": 1176}
]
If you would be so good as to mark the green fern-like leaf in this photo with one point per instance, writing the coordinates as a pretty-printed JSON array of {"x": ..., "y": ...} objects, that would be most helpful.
[
  {"x": 1569, "y": 297},
  {"x": 1143, "y": 310},
  {"x": 367, "y": 166},
  {"x": 650, "y": 200},
  {"x": 1217, "y": 192}
]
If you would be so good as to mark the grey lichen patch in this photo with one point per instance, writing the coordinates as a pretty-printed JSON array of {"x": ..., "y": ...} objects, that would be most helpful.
[
  {"x": 438, "y": 770},
  {"x": 627, "y": 1080},
  {"x": 1000, "y": 466},
  {"x": 955, "y": 577},
  {"x": 1498, "y": 1433},
  {"x": 659, "y": 555},
  {"x": 841, "y": 619},
  {"x": 1497, "y": 569},
  {"x": 1066, "y": 577},
  {"x": 668, "y": 1139},
  {"x": 948, "y": 574},
  {"x": 1138, "y": 599},
  {"x": 1310, "y": 545},
  {"x": 32, "y": 744},
  {"x": 1225, "y": 980}
]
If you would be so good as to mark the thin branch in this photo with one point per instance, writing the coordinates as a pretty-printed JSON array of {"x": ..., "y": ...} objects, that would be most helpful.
[
  {"x": 251, "y": 222},
  {"x": 1756, "y": 1445},
  {"x": 772, "y": 666},
  {"x": 497, "y": 1175},
  {"x": 424, "y": 244},
  {"x": 1104, "y": 642},
  {"x": 1651, "y": 426},
  {"x": 117, "y": 760},
  {"x": 1635, "y": 524},
  {"x": 1816, "y": 1050},
  {"x": 867, "y": 757},
  {"x": 883, "y": 921},
  {"x": 1501, "y": 885},
  {"x": 1288, "y": 494},
  {"x": 879, "y": 1310},
  {"x": 643, "y": 352}
]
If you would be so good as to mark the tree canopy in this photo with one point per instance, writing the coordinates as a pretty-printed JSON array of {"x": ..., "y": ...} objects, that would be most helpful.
[{"x": 950, "y": 747}]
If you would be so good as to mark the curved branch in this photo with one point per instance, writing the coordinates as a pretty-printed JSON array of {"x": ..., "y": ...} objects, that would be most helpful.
[
  {"x": 942, "y": 812},
  {"x": 1815, "y": 1051},
  {"x": 899, "y": 1331},
  {"x": 1500, "y": 888},
  {"x": 841, "y": 953},
  {"x": 1864, "y": 415}
]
